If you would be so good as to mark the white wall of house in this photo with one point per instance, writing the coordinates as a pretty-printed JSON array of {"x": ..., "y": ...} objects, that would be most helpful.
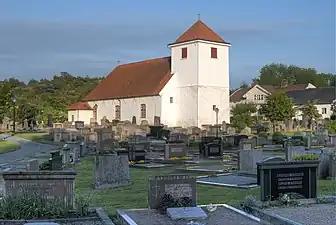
[
  {"x": 80, "y": 115},
  {"x": 169, "y": 103},
  {"x": 323, "y": 109},
  {"x": 201, "y": 82},
  {"x": 129, "y": 107}
]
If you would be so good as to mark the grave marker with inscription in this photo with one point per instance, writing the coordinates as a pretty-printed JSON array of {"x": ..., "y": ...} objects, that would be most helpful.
[
  {"x": 278, "y": 178},
  {"x": 178, "y": 186},
  {"x": 50, "y": 185}
]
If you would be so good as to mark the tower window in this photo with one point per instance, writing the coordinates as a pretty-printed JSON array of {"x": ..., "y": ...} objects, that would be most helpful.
[
  {"x": 143, "y": 111},
  {"x": 214, "y": 53},
  {"x": 171, "y": 99},
  {"x": 117, "y": 112},
  {"x": 184, "y": 53}
]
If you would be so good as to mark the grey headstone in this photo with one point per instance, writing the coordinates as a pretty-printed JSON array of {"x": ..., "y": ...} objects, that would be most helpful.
[
  {"x": 186, "y": 213},
  {"x": 42, "y": 223}
]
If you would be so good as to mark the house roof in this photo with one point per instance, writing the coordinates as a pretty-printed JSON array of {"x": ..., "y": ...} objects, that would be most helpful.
[
  {"x": 320, "y": 95},
  {"x": 80, "y": 106},
  {"x": 238, "y": 94},
  {"x": 139, "y": 79},
  {"x": 199, "y": 31}
]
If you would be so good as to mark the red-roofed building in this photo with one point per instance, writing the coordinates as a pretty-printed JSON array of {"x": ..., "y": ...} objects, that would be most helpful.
[
  {"x": 80, "y": 112},
  {"x": 181, "y": 90}
]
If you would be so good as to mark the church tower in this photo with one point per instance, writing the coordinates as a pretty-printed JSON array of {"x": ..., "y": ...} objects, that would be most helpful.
[{"x": 200, "y": 62}]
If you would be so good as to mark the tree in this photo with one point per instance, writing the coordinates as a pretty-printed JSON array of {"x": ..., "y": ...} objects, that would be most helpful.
[
  {"x": 278, "y": 107},
  {"x": 333, "y": 110},
  {"x": 277, "y": 74},
  {"x": 241, "y": 115},
  {"x": 5, "y": 99},
  {"x": 310, "y": 112}
]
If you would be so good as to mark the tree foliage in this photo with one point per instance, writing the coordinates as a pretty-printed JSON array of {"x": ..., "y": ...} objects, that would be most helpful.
[
  {"x": 37, "y": 99},
  {"x": 278, "y": 107},
  {"x": 277, "y": 74},
  {"x": 310, "y": 112},
  {"x": 241, "y": 115}
]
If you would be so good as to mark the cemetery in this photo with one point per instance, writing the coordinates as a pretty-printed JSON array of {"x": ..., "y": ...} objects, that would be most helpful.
[{"x": 124, "y": 174}]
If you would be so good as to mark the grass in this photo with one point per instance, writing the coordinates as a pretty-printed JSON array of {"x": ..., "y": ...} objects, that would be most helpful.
[
  {"x": 7, "y": 146},
  {"x": 135, "y": 195},
  {"x": 40, "y": 137}
]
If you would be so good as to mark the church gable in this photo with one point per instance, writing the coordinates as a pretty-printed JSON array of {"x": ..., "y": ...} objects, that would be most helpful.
[{"x": 140, "y": 79}]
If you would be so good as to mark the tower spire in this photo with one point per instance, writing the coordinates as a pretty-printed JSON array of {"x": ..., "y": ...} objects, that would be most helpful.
[{"x": 198, "y": 16}]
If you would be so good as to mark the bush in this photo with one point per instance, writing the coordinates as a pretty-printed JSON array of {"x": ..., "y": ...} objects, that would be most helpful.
[
  {"x": 278, "y": 138},
  {"x": 28, "y": 207},
  {"x": 305, "y": 157},
  {"x": 332, "y": 127}
]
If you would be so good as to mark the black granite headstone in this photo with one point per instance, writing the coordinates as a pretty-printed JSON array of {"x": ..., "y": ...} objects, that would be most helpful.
[{"x": 277, "y": 178}]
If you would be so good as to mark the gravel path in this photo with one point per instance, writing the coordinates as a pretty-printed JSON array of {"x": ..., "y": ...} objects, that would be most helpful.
[
  {"x": 220, "y": 217},
  {"x": 317, "y": 214},
  {"x": 28, "y": 149}
]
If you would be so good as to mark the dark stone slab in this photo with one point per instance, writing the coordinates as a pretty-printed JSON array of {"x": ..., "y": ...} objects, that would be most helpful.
[
  {"x": 299, "y": 177},
  {"x": 216, "y": 169},
  {"x": 150, "y": 165},
  {"x": 178, "y": 186},
  {"x": 230, "y": 180}
]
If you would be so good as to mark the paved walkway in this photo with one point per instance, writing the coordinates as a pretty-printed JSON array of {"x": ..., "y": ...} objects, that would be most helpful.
[{"x": 28, "y": 149}]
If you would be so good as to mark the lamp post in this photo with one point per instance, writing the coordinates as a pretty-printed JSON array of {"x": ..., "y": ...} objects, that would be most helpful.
[
  {"x": 13, "y": 101},
  {"x": 216, "y": 111}
]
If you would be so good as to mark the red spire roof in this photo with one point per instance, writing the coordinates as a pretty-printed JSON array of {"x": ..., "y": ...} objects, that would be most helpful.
[{"x": 199, "y": 31}]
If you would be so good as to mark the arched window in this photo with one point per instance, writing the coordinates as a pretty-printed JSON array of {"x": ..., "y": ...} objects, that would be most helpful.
[
  {"x": 95, "y": 107},
  {"x": 143, "y": 111},
  {"x": 117, "y": 112}
]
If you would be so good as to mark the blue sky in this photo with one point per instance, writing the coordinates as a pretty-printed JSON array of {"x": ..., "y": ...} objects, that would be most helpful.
[{"x": 41, "y": 38}]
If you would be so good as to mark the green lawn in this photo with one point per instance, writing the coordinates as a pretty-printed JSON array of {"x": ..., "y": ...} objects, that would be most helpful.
[
  {"x": 135, "y": 196},
  {"x": 7, "y": 146},
  {"x": 40, "y": 137}
]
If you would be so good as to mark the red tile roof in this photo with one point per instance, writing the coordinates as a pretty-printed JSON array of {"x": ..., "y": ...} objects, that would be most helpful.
[
  {"x": 238, "y": 94},
  {"x": 199, "y": 31},
  {"x": 139, "y": 79},
  {"x": 80, "y": 106}
]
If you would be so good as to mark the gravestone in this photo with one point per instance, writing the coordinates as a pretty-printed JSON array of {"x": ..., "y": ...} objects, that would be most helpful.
[
  {"x": 25, "y": 124},
  {"x": 178, "y": 186},
  {"x": 57, "y": 134},
  {"x": 56, "y": 186},
  {"x": 102, "y": 135},
  {"x": 175, "y": 150},
  {"x": 56, "y": 160},
  {"x": 66, "y": 155},
  {"x": 278, "y": 178},
  {"x": 186, "y": 213},
  {"x": 79, "y": 124},
  {"x": 246, "y": 144},
  {"x": 137, "y": 155},
  {"x": 111, "y": 171},
  {"x": 247, "y": 160},
  {"x": 213, "y": 149}
]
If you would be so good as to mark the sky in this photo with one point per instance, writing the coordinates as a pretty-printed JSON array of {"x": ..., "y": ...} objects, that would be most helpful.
[{"x": 41, "y": 38}]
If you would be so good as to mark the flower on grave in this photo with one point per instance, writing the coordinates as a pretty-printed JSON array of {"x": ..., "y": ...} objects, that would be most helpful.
[
  {"x": 174, "y": 158},
  {"x": 131, "y": 162},
  {"x": 258, "y": 147},
  {"x": 185, "y": 158},
  {"x": 141, "y": 161},
  {"x": 227, "y": 157},
  {"x": 211, "y": 207}
]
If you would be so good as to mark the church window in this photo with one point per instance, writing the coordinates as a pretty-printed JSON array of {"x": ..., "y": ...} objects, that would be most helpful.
[
  {"x": 143, "y": 110},
  {"x": 95, "y": 112},
  {"x": 117, "y": 112},
  {"x": 171, "y": 100},
  {"x": 184, "y": 53},
  {"x": 214, "y": 53},
  {"x": 72, "y": 118}
]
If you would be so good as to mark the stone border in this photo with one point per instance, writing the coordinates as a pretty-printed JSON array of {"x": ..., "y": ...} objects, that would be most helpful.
[
  {"x": 275, "y": 219},
  {"x": 101, "y": 215},
  {"x": 225, "y": 185},
  {"x": 130, "y": 221}
]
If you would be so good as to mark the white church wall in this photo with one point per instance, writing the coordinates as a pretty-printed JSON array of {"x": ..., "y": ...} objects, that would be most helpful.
[
  {"x": 186, "y": 68},
  {"x": 168, "y": 107},
  {"x": 187, "y": 108},
  {"x": 80, "y": 115},
  {"x": 213, "y": 71},
  {"x": 209, "y": 96},
  {"x": 129, "y": 107}
]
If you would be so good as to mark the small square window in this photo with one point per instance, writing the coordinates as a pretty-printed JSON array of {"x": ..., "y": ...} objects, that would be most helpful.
[
  {"x": 184, "y": 53},
  {"x": 171, "y": 99},
  {"x": 214, "y": 53}
]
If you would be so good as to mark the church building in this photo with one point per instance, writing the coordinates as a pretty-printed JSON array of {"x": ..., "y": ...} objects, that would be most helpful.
[{"x": 185, "y": 89}]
